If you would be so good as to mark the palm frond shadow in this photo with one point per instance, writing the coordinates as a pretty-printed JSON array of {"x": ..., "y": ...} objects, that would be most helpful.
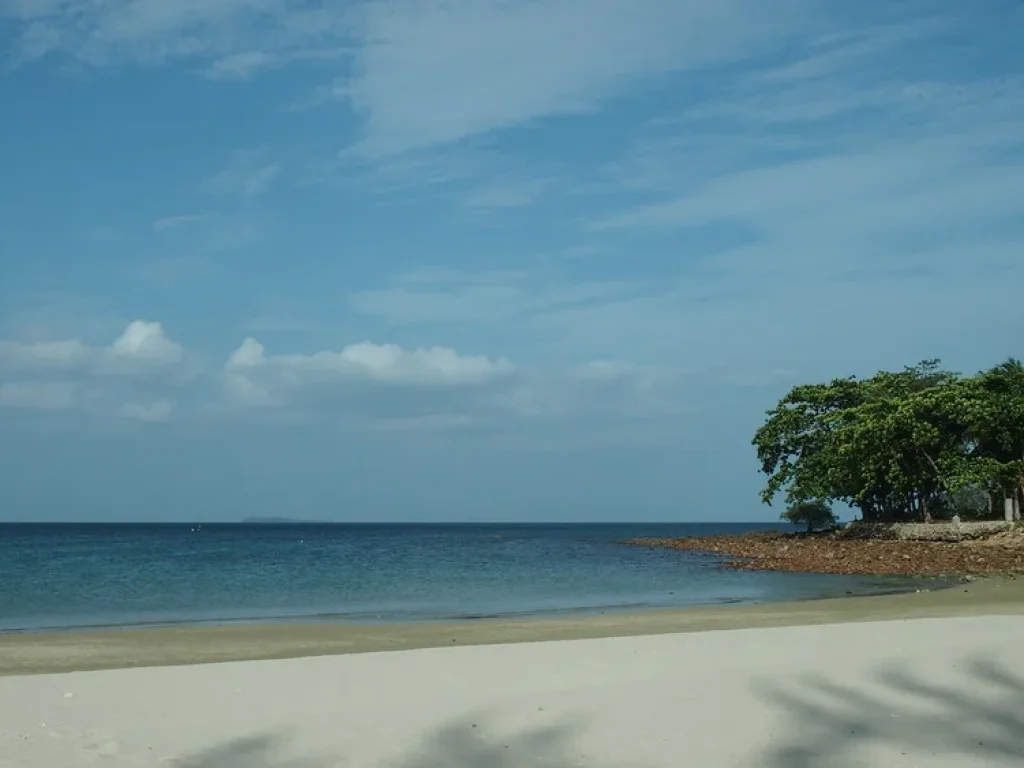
[
  {"x": 471, "y": 743},
  {"x": 983, "y": 718},
  {"x": 474, "y": 744},
  {"x": 260, "y": 751}
]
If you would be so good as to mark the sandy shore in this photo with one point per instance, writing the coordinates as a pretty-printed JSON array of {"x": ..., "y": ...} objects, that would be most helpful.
[
  {"x": 63, "y": 652},
  {"x": 946, "y": 693}
]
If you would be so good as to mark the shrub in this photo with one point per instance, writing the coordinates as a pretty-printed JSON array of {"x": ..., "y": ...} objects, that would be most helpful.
[{"x": 816, "y": 515}]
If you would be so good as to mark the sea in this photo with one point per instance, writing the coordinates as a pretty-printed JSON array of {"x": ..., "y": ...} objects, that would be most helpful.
[{"x": 59, "y": 577}]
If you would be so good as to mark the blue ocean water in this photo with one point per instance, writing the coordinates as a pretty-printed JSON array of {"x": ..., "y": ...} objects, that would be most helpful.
[{"x": 75, "y": 576}]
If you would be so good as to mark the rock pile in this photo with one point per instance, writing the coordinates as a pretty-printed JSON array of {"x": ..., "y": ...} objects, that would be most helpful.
[{"x": 831, "y": 553}]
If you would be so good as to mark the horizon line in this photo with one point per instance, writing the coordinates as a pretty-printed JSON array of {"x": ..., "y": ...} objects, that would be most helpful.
[{"x": 283, "y": 521}]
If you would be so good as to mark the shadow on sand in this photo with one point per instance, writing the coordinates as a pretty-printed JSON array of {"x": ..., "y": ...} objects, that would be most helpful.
[
  {"x": 983, "y": 718},
  {"x": 462, "y": 744},
  {"x": 830, "y": 726},
  {"x": 261, "y": 751}
]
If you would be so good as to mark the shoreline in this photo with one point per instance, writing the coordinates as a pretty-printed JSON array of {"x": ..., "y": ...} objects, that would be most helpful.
[
  {"x": 58, "y": 652},
  {"x": 899, "y": 586}
]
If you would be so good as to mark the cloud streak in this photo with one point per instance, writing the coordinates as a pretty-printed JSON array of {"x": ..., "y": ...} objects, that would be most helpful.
[
  {"x": 167, "y": 223},
  {"x": 249, "y": 174},
  {"x": 428, "y": 74},
  {"x": 423, "y": 73}
]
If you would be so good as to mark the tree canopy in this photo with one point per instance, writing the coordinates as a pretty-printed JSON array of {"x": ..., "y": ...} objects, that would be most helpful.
[
  {"x": 814, "y": 514},
  {"x": 899, "y": 446}
]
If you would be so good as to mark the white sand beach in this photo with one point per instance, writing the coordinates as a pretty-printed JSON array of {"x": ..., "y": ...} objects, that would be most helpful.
[{"x": 943, "y": 692}]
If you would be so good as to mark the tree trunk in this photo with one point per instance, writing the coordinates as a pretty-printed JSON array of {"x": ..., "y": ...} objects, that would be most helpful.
[{"x": 1009, "y": 505}]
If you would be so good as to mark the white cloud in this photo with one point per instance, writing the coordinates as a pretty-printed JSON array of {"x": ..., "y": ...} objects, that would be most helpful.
[
  {"x": 56, "y": 375},
  {"x": 142, "y": 348},
  {"x": 159, "y": 410},
  {"x": 390, "y": 388},
  {"x": 254, "y": 378}
]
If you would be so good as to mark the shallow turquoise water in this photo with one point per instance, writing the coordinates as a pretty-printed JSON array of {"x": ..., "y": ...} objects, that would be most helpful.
[{"x": 67, "y": 576}]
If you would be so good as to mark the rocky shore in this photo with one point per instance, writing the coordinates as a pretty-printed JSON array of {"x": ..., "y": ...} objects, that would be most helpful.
[{"x": 835, "y": 553}]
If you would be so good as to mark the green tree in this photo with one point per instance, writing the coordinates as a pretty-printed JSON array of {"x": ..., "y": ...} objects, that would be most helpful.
[
  {"x": 899, "y": 445},
  {"x": 799, "y": 446},
  {"x": 816, "y": 515},
  {"x": 884, "y": 445},
  {"x": 995, "y": 417},
  {"x": 909, "y": 438}
]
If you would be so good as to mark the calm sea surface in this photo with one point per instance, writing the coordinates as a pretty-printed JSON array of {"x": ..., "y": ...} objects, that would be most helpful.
[{"x": 68, "y": 576}]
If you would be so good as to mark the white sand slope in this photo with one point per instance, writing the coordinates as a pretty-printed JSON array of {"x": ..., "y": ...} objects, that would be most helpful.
[{"x": 929, "y": 692}]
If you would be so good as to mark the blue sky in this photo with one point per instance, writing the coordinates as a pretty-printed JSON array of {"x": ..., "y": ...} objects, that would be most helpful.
[{"x": 480, "y": 259}]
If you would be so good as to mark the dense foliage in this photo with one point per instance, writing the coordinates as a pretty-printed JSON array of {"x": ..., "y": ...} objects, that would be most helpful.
[
  {"x": 909, "y": 445},
  {"x": 814, "y": 514}
]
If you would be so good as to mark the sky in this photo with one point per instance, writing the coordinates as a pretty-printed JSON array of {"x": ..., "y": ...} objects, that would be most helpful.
[{"x": 481, "y": 260}]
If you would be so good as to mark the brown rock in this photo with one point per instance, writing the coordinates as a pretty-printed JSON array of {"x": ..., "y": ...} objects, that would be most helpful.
[{"x": 878, "y": 556}]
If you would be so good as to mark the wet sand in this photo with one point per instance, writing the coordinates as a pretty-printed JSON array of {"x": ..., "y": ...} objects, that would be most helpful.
[{"x": 22, "y": 654}]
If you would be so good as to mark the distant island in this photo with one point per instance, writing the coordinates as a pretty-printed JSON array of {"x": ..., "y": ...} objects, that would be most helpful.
[{"x": 280, "y": 520}]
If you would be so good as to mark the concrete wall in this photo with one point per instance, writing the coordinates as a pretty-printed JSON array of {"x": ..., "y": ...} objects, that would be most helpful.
[{"x": 948, "y": 531}]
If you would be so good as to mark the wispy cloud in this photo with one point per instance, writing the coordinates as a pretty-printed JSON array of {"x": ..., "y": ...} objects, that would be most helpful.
[
  {"x": 435, "y": 73},
  {"x": 59, "y": 314},
  {"x": 170, "y": 271},
  {"x": 158, "y": 410},
  {"x": 249, "y": 174},
  {"x": 240, "y": 66},
  {"x": 503, "y": 193},
  {"x": 190, "y": 247},
  {"x": 230, "y": 35},
  {"x": 176, "y": 222},
  {"x": 857, "y": 155},
  {"x": 40, "y": 396},
  {"x": 423, "y": 73},
  {"x": 447, "y": 296}
]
